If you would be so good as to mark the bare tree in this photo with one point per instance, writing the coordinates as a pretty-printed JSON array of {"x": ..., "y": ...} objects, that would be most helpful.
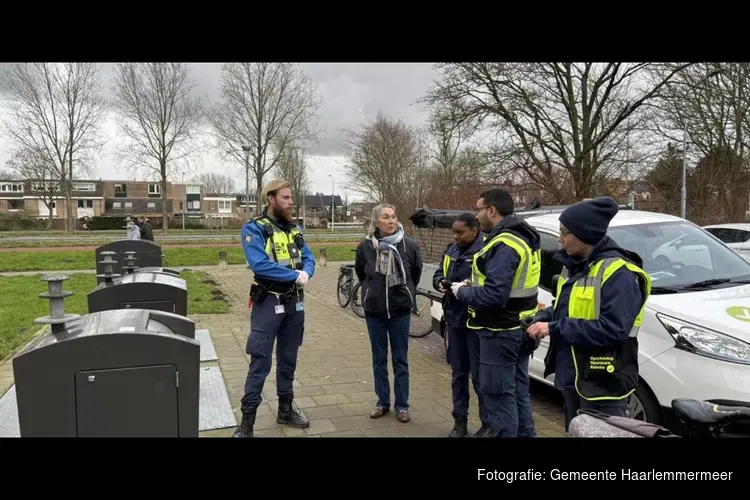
[
  {"x": 56, "y": 109},
  {"x": 160, "y": 118},
  {"x": 41, "y": 174},
  {"x": 7, "y": 175},
  {"x": 387, "y": 163},
  {"x": 562, "y": 124},
  {"x": 292, "y": 167},
  {"x": 216, "y": 183},
  {"x": 266, "y": 106},
  {"x": 708, "y": 106}
]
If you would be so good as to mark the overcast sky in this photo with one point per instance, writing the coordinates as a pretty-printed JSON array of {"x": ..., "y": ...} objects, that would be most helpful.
[{"x": 350, "y": 93}]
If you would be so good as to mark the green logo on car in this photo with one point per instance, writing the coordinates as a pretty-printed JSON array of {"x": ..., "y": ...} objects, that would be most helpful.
[{"x": 739, "y": 312}]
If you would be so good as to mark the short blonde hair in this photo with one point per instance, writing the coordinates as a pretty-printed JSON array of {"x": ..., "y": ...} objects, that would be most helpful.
[
  {"x": 272, "y": 187},
  {"x": 376, "y": 215}
]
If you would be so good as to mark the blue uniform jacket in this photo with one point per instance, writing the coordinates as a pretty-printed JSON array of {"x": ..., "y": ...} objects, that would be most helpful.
[
  {"x": 263, "y": 266},
  {"x": 501, "y": 264},
  {"x": 460, "y": 269},
  {"x": 621, "y": 302}
]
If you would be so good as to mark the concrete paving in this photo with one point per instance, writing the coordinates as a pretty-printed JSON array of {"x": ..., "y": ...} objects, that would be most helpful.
[{"x": 334, "y": 382}]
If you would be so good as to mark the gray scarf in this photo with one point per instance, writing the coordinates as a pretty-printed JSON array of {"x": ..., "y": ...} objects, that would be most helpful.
[{"x": 389, "y": 262}]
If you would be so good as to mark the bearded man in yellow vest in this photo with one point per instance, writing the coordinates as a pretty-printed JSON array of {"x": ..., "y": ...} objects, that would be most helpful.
[
  {"x": 594, "y": 321},
  {"x": 281, "y": 263}
]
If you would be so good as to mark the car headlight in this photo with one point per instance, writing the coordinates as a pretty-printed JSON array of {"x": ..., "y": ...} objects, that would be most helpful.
[{"x": 705, "y": 342}]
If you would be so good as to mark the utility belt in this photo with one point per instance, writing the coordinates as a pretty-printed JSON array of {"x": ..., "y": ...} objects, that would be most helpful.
[{"x": 283, "y": 292}]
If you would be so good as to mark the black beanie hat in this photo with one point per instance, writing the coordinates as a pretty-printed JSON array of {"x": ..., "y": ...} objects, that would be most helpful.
[{"x": 589, "y": 220}]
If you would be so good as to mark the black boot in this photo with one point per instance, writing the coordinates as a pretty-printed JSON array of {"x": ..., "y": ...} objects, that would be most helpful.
[
  {"x": 245, "y": 429},
  {"x": 483, "y": 431},
  {"x": 289, "y": 414},
  {"x": 459, "y": 429}
]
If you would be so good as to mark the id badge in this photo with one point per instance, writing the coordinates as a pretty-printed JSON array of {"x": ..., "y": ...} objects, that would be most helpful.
[
  {"x": 299, "y": 306},
  {"x": 279, "y": 309}
]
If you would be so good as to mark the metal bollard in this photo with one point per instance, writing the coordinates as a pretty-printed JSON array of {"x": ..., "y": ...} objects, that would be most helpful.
[
  {"x": 108, "y": 268},
  {"x": 323, "y": 260},
  {"x": 130, "y": 259},
  {"x": 222, "y": 259},
  {"x": 56, "y": 295}
]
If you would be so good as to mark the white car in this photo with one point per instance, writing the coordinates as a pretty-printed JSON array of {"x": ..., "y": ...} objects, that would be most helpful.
[
  {"x": 736, "y": 236},
  {"x": 695, "y": 337}
]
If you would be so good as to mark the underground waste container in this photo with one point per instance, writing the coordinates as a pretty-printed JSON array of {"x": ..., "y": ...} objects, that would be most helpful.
[
  {"x": 117, "y": 373},
  {"x": 147, "y": 253},
  {"x": 138, "y": 290}
]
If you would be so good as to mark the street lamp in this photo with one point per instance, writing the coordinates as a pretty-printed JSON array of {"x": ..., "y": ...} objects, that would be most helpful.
[
  {"x": 683, "y": 191},
  {"x": 333, "y": 206},
  {"x": 246, "y": 148}
]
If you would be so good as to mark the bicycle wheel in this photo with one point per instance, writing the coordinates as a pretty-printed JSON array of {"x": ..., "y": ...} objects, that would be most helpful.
[
  {"x": 355, "y": 302},
  {"x": 421, "y": 316},
  {"x": 344, "y": 290}
]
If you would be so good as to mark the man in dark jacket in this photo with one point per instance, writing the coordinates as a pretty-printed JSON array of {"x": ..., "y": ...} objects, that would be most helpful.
[
  {"x": 503, "y": 291},
  {"x": 593, "y": 349},
  {"x": 146, "y": 231},
  {"x": 463, "y": 343}
]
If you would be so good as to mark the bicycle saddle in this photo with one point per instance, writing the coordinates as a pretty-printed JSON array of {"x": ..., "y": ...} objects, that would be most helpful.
[{"x": 702, "y": 412}]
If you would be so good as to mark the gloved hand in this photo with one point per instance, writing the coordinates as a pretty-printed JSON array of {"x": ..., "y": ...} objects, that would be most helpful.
[
  {"x": 302, "y": 277},
  {"x": 455, "y": 287}
]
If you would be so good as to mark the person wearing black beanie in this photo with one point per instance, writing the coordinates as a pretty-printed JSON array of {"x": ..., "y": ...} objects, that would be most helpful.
[
  {"x": 594, "y": 322},
  {"x": 503, "y": 289}
]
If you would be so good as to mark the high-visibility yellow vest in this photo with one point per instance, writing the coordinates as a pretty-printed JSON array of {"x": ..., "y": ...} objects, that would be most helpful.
[
  {"x": 524, "y": 289},
  {"x": 283, "y": 248},
  {"x": 604, "y": 374}
]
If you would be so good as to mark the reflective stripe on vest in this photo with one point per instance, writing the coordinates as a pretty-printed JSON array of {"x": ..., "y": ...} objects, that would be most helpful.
[
  {"x": 586, "y": 295},
  {"x": 526, "y": 281},
  {"x": 278, "y": 246},
  {"x": 446, "y": 265},
  {"x": 585, "y": 303}
]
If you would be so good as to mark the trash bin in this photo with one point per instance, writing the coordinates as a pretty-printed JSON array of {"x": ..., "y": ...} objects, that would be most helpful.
[
  {"x": 139, "y": 289},
  {"x": 148, "y": 254},
  {"x": 117, "y": 373}
]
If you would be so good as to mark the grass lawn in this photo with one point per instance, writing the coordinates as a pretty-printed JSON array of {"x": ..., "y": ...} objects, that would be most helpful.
[
  {"x": 68, "y": 260},
  {"x": 20, "y": 303}
]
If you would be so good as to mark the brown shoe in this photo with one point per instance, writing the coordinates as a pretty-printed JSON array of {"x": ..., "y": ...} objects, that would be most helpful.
[
  {"x": 403, "y": 416},
  {"x": 378, "y": 412}
]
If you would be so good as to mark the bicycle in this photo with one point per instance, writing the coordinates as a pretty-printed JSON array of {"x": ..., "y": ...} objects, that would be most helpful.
[
  {"x": 347, "y": 292},
  {"x": 698, "y": 419}
]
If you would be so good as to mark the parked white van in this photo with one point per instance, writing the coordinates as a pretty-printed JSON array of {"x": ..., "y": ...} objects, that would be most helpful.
[{"x": 695, "y": 337}]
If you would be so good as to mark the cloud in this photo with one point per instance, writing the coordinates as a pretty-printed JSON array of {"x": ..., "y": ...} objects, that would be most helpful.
[{"x": 351, "y": 93}]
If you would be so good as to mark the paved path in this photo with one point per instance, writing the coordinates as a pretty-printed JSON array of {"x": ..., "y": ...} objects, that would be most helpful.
[
  {"x": 334, "y": 376},
  {"x": 334, "y": 384}
]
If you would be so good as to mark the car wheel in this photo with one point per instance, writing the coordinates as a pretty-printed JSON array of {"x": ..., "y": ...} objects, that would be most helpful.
[{"x": 644, "y": 406}]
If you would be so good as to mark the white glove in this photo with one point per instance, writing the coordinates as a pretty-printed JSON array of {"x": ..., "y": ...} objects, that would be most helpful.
[
  {"x": 455, "y": 287},
  {"x": 302, "y": 277}
]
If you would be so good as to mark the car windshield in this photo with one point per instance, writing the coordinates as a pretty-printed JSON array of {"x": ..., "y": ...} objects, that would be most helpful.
[{"x": 676, "y": 254}]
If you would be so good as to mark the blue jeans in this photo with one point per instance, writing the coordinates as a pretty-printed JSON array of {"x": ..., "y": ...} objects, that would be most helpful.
[
  {"x": 381, "y": 330},
  {"x": 504, "y": 383}
]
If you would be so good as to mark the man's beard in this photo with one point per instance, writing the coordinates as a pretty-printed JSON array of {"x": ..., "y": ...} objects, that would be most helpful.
[{"x": 283, "y": 215}]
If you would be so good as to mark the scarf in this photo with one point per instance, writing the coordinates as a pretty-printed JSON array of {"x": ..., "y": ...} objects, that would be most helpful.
[{"x": 388, "y": 261}]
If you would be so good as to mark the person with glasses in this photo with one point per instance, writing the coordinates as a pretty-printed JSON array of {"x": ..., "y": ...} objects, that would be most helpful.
[
  {"x": 502, "y": 292},
  {"x": 389, "y": 266},
  {"x": 593, "y": 323}
]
